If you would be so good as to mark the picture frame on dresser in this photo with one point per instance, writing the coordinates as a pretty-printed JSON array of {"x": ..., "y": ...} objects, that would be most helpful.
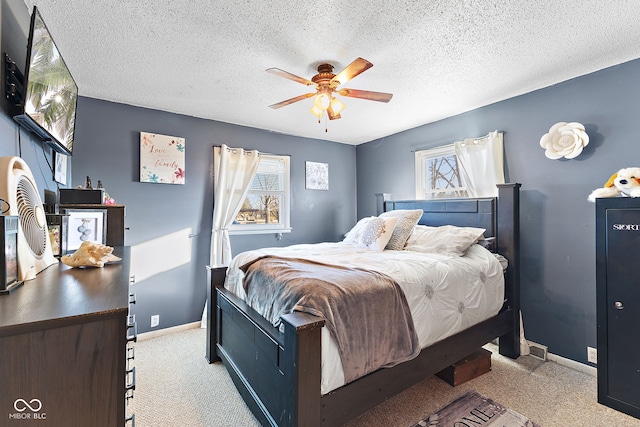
[
  {"x": 85, "y": 225},
  {"x": 115, "y": 220},
  {"x": 9, "y": 254}
]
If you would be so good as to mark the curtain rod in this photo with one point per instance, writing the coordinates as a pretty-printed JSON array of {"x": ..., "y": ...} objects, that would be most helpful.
[
  {"x": 259, "y": 152},
  {"x": 451, "y": 143}
]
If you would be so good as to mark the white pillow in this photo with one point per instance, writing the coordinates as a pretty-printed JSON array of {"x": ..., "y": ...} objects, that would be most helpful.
[
  {"x": 445, "y": 240},
  {"x": 407, "y": 219},
  {"x": 372, "y": 232}
]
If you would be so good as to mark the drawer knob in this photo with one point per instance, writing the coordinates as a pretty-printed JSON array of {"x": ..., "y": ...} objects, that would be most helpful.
[{"x": 618, "y": 305}]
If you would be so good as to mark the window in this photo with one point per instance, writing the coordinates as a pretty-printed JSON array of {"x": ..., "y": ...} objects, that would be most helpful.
[
  {"x": 438, "y": 174},
  {"x": 266, "y": 207}
]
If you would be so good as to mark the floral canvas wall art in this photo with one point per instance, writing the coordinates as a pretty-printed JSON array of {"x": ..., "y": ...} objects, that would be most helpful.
[{"x": 162, "y": 158}]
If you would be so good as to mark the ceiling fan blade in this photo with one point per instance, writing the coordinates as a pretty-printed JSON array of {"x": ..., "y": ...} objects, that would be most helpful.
[
  {"x": 292, "y": 100},
  {"x": 352, "y": 70},
  {"x": 332, "y": 115},
  {"x": 366, "y": 94},
  {"x": 288, "y": 75}
]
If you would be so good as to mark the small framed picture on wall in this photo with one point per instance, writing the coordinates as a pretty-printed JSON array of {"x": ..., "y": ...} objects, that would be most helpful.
[
  {"x": 60, "y": 168},
  {"x": 316, "y": 176}
]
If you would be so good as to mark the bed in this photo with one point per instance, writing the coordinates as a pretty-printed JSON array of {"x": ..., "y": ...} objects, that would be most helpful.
[{"x": 279, "y": 370}]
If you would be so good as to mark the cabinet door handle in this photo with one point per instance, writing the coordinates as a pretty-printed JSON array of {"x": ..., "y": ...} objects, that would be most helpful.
[
  {"x": 132, "y": 384},
  {"x": 618, "y": 305},
  {"x": 131, "y": 354},
  {"x": 131, "y": 323}
]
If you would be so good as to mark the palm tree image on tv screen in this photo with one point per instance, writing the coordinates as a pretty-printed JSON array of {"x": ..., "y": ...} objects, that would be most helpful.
[{"x": 51, "y": 91}]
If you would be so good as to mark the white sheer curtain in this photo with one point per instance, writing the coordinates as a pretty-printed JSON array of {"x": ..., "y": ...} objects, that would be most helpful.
[
  {"x": 234, "y": 170},
  {"x": 481, "y": 162}
]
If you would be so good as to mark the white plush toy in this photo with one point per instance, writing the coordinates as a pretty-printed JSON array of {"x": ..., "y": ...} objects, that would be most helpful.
[{"x": 625, "y": 182}]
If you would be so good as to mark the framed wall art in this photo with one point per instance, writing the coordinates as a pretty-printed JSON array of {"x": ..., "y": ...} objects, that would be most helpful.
[
  {"x": 85, "y": 225},
  {"x": 316, "y": 176},
  {"x": 162, "y": 158},
  {"x": 60, "y": 168}
]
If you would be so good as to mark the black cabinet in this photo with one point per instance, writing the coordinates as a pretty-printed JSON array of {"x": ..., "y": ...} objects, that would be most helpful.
[{"x": 618, "y": 303}]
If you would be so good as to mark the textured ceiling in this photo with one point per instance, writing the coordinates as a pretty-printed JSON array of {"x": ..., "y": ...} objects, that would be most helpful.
[{"x": 439, "y": 58}]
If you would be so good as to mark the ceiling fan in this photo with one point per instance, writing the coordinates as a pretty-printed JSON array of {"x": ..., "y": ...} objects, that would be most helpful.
[{"x": 327, "y": 86}]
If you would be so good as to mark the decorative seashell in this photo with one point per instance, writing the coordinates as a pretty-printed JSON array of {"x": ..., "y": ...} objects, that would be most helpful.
[{"x": 90, "y": 254}]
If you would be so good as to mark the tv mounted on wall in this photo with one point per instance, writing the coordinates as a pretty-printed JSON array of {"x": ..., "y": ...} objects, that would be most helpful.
[{"x": 48, "y": 105}]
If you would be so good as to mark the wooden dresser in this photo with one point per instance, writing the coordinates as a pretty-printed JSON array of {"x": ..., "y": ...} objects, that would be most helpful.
[{"x": 65, "y": 348}]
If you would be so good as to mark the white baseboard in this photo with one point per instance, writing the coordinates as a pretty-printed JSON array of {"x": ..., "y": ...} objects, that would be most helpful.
[
  {"x": 541, "y": 352},
  {"x": 166, "y": 331},
  {"x": 581, "y": 367}
]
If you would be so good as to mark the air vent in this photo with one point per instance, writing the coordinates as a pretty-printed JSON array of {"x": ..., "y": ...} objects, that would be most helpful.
[{"x": 538, "y": 351}]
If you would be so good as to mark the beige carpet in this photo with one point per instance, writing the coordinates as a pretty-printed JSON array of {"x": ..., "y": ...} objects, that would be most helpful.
[{"x": 175, "y": 386}]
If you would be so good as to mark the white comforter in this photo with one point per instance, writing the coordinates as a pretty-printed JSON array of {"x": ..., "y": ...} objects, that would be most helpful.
[{"x": 445, "y": 294}]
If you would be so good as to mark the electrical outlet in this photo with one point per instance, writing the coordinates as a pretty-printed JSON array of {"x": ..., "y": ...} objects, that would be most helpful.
[
  {"x": 155, "y": 320},
  {"x": 592, "y": 355}
]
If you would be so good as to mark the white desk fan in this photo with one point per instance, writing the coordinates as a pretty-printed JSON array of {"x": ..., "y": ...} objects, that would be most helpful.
[{"x": 18, "y": 189}]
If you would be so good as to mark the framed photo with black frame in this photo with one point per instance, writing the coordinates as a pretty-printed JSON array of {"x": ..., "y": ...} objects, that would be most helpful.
[
  {"x": 58, "y": 228},
  {"x": 9, "y": 268},
  {"x": 85, "y": 225}
]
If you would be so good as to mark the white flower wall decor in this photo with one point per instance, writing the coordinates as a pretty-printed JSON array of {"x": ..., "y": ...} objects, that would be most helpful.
[{"x": 564, "y": 140}]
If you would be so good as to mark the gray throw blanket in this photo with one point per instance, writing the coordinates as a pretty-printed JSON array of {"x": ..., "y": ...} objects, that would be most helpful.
[{"x": 366, "y": 312}]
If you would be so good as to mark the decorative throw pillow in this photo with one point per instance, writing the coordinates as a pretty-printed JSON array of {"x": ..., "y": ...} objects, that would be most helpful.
[
  {"x": 407, "y": 219},
  {"x": 445, "y": 240},
  {"x": 372, "y": 232}
]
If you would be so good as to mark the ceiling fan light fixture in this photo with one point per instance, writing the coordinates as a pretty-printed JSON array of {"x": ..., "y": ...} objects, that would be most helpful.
[
  {"x": 336, "y": 105},
  {"x": 322, "y": 101},
  {"x": 316, "y": 111},
  {"x": 326, "y": 84}
]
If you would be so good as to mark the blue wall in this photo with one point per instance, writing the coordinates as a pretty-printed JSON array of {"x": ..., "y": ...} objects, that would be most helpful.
[
  {"x": 558, "y": 224},
  {"x": 169, "y": 226}
]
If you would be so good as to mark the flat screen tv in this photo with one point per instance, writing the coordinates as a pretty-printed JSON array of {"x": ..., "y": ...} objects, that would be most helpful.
[{"x": 49, "y": 103}]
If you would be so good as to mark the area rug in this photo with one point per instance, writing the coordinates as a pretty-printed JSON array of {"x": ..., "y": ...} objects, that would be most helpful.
[{"x": 474, "y": 410}]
